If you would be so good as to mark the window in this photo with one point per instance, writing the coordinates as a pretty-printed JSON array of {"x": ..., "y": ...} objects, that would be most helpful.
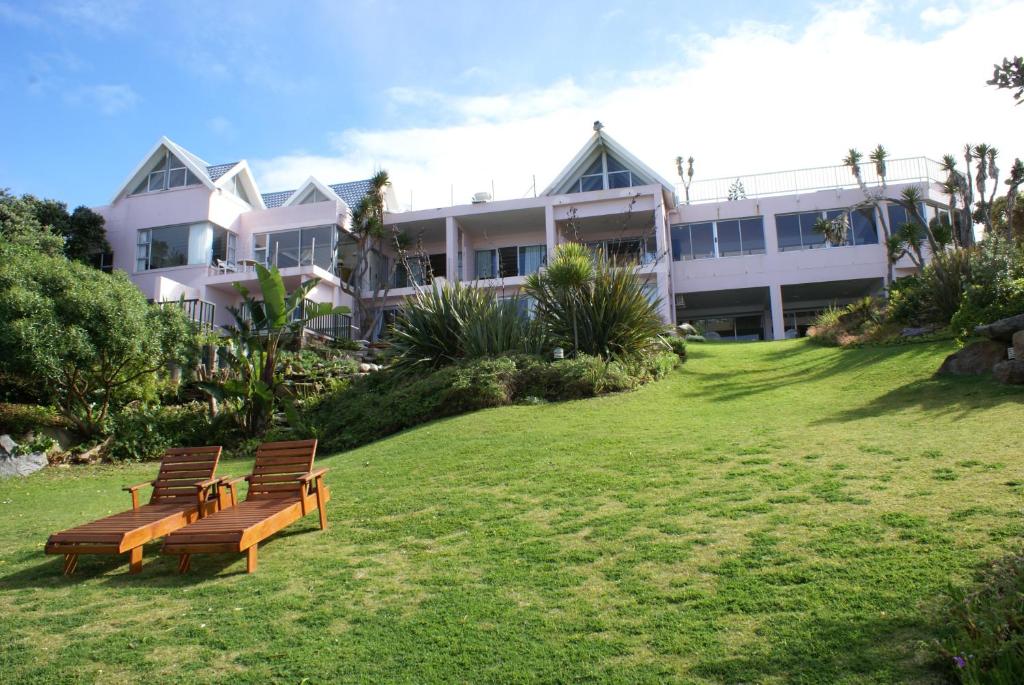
[
  {"x": 315, "y": 245},
  {"x": 104, "y": 261},
  {"x": 238, "y": 188},
  {"x": 605, "y": 172},
  {"x": 898, "y": 215},
  {"x": 728, "y": 238},
  {"x": 169, "y": 173},
  {"x": 314, "y": 195},
  {"x": 187, "y": 244},
  {"x": 796, "y": 231},
  {"x": 506, "y": 262},
  {"x": 627, "y": 250}
]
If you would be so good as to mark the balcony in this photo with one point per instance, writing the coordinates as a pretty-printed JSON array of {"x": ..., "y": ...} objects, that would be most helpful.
[
  {"x": 199, "y": 312},
  {"x": 839, "y": 177}
]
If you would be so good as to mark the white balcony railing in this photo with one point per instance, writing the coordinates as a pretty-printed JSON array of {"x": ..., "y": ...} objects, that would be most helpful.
[{"x": 838, "y": 177}]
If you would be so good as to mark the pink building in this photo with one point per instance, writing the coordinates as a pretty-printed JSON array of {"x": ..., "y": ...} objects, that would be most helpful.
[{"x": 740, "y": 256}]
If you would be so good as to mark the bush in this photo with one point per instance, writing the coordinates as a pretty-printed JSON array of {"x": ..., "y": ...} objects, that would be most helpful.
[
  {"x": 443, "y": 325},
  {"x": 677, "y": 345},
  {"x": 142, "y": 432},
  {"x": 987, "y": 625},
  {"x": 20, "y": 419},
  {"x": 389, "y": 401}
]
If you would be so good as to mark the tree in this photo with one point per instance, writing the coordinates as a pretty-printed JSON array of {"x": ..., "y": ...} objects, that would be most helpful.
[
  {"x": 873, "y": 198},
  {"x": 687, "y": 177},
  {"x": 262, "y": 326},
  {"x": 365, "y": 273},
  {"x": 737, "y": 191},
  {"x": 89, "y": 338},
  {"x": 1009, "y": 76},
  {"x": 82, "y": 233}
]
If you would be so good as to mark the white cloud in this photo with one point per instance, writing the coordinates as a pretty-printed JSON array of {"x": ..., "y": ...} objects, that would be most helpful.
[
  {"x": 221, "y": 126},
  {"x": 13, "y": 15},
  {"x": 758, "y": 98},
  {"x": 104, "y": 15},
  {"x": 941, "y": 17},
  {"x": 108, "y": 99}
]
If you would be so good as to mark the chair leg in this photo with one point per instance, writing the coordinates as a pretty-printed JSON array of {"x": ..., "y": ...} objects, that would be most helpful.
[
  {"x": 250, "y": 559},
  {"x": 135, "y": 560},
  {"x": 321, "y": 506},
  {"x": 184, "y": 563},
  {"x": 70, "y": 563}
]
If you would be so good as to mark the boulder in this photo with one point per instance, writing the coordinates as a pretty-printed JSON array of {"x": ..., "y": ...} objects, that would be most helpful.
[
  {"x": 365, "y": 368},
  {"x": 915, "y": 331},
  {"x": 1018, "y": 345},
  {"x": 686, "y": 329},
  {"x": 22, "y": 465},
  {"x": 7, "y": 445},
  {"x": 1010, "y": 372},
  {"x": 977, "y": 359},
  {"x": 1003, "y": 329}
]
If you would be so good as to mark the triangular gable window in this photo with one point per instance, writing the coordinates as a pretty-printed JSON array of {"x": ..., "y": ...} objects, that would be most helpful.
[
  {"x": 169, "y": 172},
  {"x": 606, "y": 172},
  {"x": 314, "y": 195},
  {"x": 238, "y": 188}
]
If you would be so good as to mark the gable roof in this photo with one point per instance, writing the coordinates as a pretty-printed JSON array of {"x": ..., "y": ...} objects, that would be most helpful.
[
  {"x": 222, "y": 179},
  {"x": 192, "y": 162},
  {"x": 350, "y": 193},
  {"x": 602, "y": 141},
  {"x": 215, "y": 171}
]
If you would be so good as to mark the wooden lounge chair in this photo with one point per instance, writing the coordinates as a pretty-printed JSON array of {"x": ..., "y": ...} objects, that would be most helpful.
[
  {"x": 282, "y": 489},
  {"x": 181, "y": 495}
]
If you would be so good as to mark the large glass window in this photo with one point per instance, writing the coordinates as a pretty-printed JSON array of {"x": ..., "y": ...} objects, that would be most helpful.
[
  {"x": 898, "y": 215},
  {"x": 727, "y": 238},
  {"x": 796, "y": 231},
  {"x": 627, "y": 250},
  {"x": 315, "y": 245},
  {"x": 185, "y": 244},
  {"x": 169, "y": 172},
  {"x": 605, "y": 172},
  {"x": 593, "y": 177},
  {"x": 506, "y": 262}
]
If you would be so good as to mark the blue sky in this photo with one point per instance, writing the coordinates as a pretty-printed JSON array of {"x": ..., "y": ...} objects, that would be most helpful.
[{"x": 452, "y": 96}]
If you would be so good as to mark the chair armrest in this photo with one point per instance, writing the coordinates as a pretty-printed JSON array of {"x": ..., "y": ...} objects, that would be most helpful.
[
  {"x": 227, "y": 480},
  {"x": 133, "y": 488},
  {"x": 203, "y": 484},
  {"x": 306, "y": 477}
]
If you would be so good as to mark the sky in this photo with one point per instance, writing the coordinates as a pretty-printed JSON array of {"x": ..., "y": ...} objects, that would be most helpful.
[{"x": 458, "y": 97}]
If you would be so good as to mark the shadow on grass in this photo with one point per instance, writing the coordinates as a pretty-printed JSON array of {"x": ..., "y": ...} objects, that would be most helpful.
[
  {"x": 798, "y": 363},
  {"x": 955, "y": 396},
  {"x": 157, "y": 569}
]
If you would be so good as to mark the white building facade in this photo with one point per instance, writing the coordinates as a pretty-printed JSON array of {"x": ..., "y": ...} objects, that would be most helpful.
[{"x": 751, "y": 267}]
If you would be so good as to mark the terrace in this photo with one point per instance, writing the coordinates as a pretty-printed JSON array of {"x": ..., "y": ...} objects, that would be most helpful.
[{"x": 838, "y": 177}]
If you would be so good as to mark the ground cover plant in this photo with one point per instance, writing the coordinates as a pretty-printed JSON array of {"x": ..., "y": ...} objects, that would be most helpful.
[{"x": 773, "y": 512}]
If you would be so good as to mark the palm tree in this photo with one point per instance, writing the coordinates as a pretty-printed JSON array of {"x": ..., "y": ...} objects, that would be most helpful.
[
  {"x": 569, "y": 272},
  {"x": 1014, "y": 182},
  {"x": 367, "y": 232}
]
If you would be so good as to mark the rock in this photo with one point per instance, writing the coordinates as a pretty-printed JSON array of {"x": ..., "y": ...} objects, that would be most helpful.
[
  {"x": 1010, "y": 372},
  {"x": 1018, "y": 345},
  {"x": 7, "y": 445},
  {"x": 712, "y": 335},
  {"x": 686, "y": 329},
  {"x": 22, "y": 465},
  {"x": 977, "y": 359},
  {"x": 365, "y": 368},
  {"x": 913, "y": 332},
  {"x": 1003, "y": 329}
]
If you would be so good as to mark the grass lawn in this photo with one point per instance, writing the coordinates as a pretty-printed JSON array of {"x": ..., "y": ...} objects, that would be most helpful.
[{"x": 773, "y": 512}]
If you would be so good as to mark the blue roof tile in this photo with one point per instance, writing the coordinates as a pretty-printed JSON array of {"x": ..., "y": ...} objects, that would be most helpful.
[
  {"x": 351, "y": 192},
  {"x": 217, "y": 170}
]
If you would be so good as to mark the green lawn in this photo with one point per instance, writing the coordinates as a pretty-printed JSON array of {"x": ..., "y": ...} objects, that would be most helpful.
[{"x": 773, "y": 512}]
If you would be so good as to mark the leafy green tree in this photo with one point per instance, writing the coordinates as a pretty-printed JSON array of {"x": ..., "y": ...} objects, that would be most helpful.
[
  {"x": 1009, "y": 76},
  {"x": 80, "y": 234},
  {"x": 89, "y": 338},
  {"x": 262, "y": 327}
]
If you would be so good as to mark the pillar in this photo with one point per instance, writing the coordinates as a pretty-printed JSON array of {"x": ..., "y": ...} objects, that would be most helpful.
[
  {"x": 550, "y": 230},
  {"x": 451, "y": 249},
  {"x": 778, "y": 323}
]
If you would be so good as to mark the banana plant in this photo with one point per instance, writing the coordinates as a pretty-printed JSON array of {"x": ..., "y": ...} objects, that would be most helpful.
[{"x": 261, "y": 327}]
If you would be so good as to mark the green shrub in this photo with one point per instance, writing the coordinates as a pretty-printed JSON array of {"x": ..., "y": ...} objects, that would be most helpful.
[
  {"x": 677, "y": 345},
  {"x": 827, "y": 327},
  {"x": 389, "y": 401},
  {"x": 986, "y": 623},
  {"x": 696, "y": 338},
  {"x": 443, "y": 325},
  {"x": 19, "y": 419},
  {"x": 142, "y": 432}
]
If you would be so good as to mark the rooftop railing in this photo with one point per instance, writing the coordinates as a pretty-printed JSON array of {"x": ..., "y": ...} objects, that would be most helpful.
[{"x": 839, "y": 177}]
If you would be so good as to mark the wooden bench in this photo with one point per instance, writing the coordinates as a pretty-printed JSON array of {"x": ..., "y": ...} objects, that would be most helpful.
[
  {"x": 181, "y": 495},
  {"x": 282, "y": 489}
]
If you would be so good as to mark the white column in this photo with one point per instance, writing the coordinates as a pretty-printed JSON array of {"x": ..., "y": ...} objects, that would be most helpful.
[
  {"x": 778, "y": 323},
  {"x": 550, "y": 232},
  {"x": 451, "y": 249},
  {"x": 668, "y": 301}
]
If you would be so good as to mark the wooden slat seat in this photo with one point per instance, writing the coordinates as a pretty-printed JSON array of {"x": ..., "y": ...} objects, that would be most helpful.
[
  {"x": 282, "y": 489},
  {"x": 181, "y": 495}
]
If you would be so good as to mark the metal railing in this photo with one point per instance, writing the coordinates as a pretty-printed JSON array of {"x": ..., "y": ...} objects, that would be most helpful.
[
  {"x": 838, "y": 177},
  {"x": 331, "y": 326},
  {"x": 199, "y": 312}
]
